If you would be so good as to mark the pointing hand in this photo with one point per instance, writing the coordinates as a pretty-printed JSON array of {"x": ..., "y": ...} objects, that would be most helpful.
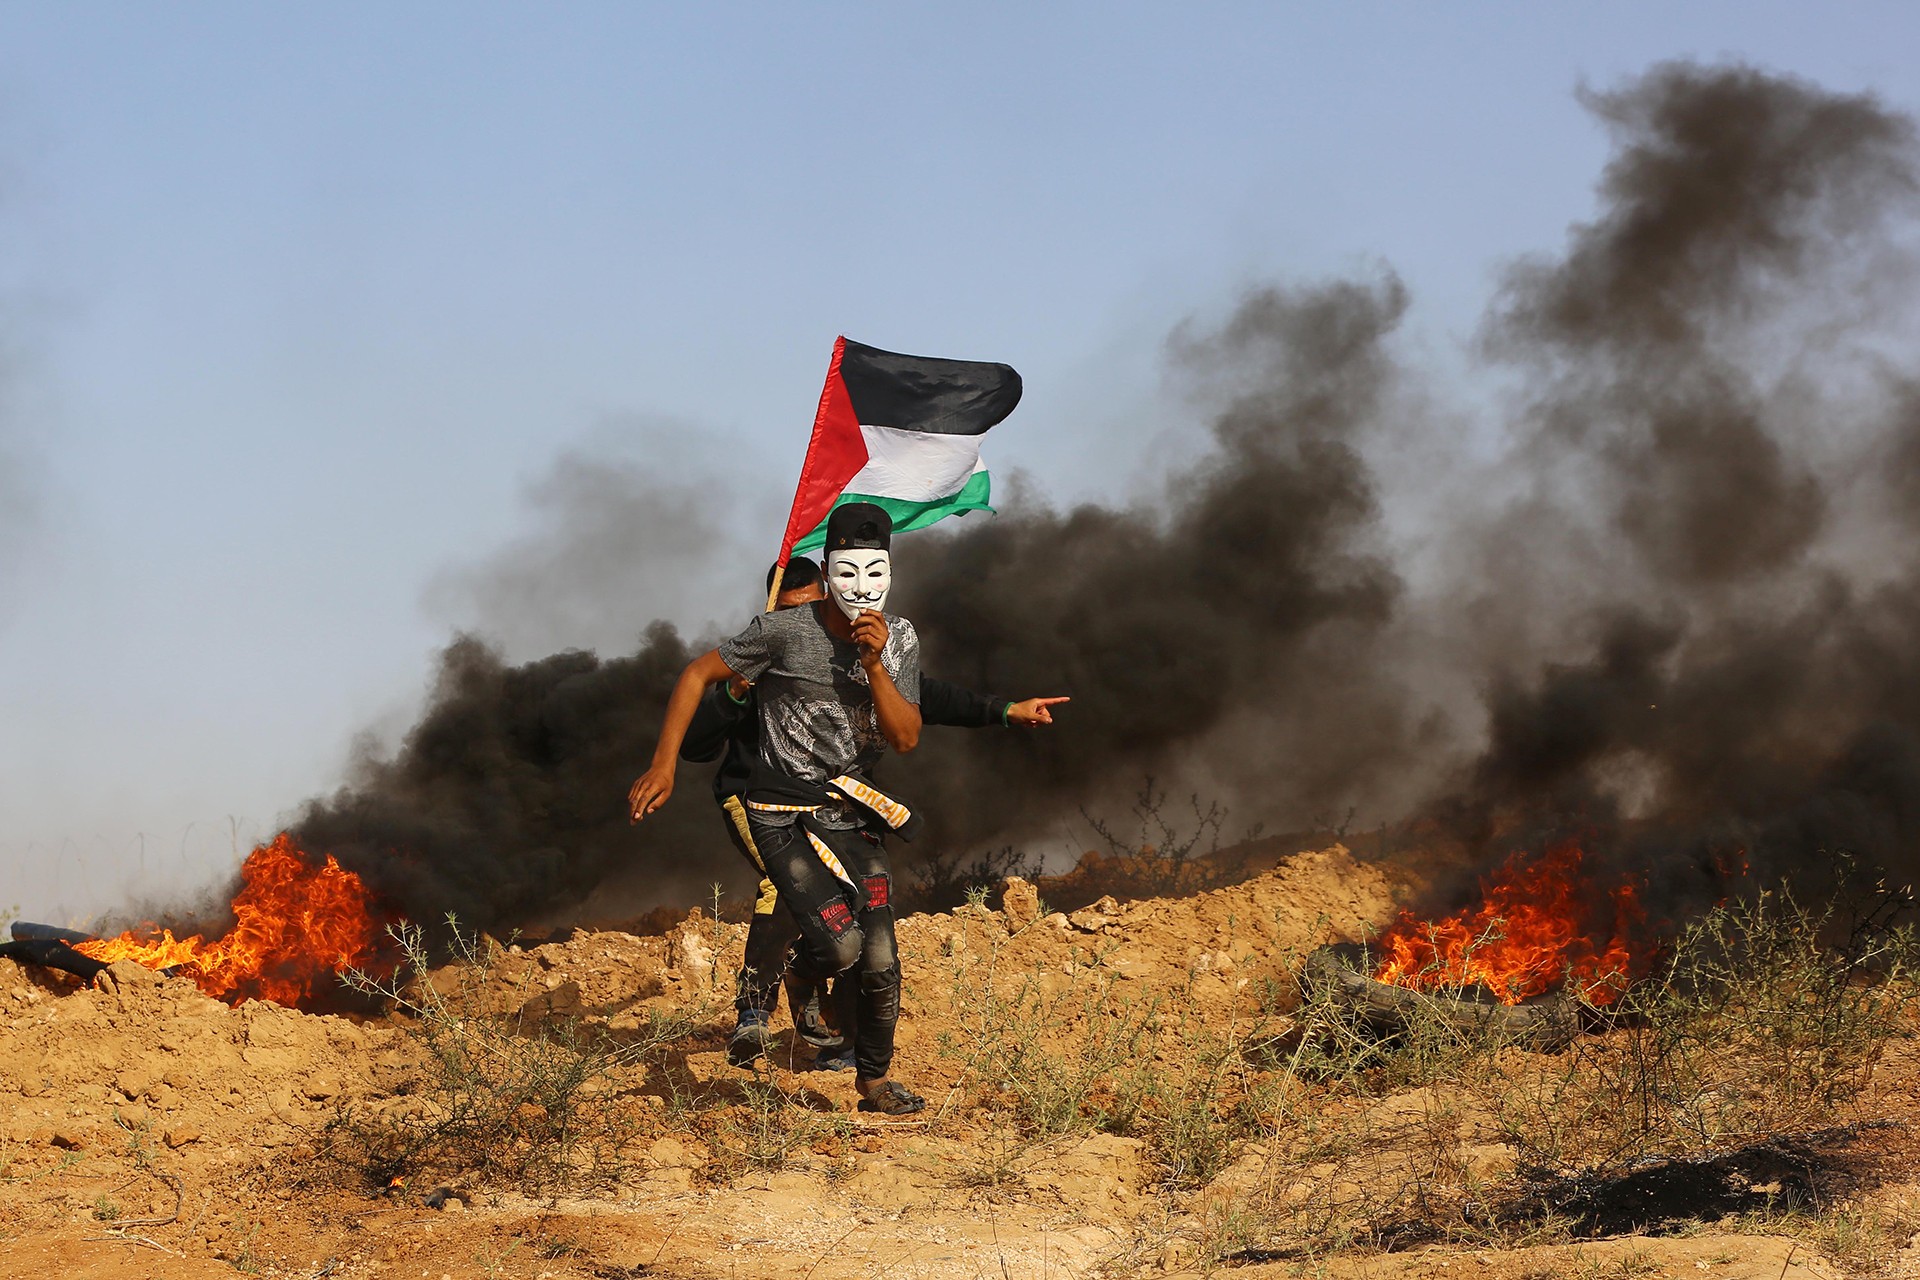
[{"x": 1034, "y": 711}]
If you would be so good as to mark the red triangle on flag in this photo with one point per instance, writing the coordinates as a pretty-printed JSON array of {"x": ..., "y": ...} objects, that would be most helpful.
[{"x": 835, "y": 455}]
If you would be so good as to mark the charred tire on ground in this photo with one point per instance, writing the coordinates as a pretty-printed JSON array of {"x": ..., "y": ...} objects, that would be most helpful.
[{"x": 1343, "y": 972}]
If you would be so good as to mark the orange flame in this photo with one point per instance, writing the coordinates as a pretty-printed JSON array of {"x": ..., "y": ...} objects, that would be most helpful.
[
  {"x": 1539, "y": 923},
  {"x": 295, "y": 926}
]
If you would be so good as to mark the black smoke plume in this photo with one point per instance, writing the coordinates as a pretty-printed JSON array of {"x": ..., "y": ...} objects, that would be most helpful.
[
  {"x": 507, "y": 801},
  {"x": 1719, "y": 446},
  {"x": 1675, "y": 608}
]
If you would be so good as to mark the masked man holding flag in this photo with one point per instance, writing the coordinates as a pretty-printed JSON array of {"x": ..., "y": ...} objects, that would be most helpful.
[
  {"x": 727, "y": 729},
  {"x": 837, "y": 683}
]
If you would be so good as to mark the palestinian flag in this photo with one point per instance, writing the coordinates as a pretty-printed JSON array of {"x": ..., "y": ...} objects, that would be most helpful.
[{"x": 902, "y": 432}]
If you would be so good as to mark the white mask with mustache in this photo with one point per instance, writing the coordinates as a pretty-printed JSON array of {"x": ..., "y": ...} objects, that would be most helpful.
[{"x": 859, "y": 578}]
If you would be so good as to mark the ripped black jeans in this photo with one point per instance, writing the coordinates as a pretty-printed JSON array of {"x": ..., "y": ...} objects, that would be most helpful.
[{"x": 843, "y": 931}]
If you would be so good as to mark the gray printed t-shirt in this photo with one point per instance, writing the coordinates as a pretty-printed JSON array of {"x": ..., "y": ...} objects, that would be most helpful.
[{"x": 816, "y": 708}]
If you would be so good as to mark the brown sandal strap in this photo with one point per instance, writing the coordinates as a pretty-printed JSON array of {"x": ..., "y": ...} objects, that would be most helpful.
[{"x": 893, "y": 1099}]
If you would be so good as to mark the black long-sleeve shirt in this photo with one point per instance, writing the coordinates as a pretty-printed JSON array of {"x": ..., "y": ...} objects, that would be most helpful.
[{"x": 725, "y": 724}]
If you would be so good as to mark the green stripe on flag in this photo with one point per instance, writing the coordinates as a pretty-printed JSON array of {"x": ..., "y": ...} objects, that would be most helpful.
[{"x": 907, "y": 515}]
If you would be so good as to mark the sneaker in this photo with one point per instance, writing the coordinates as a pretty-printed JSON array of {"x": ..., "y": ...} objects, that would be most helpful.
[
  {"x": 834, "y": 1057},
  {"x": 749, "y": 1040}
]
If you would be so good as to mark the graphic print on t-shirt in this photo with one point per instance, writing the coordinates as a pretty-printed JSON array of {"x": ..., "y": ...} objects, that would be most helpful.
[{"x": 817, "y": 716}]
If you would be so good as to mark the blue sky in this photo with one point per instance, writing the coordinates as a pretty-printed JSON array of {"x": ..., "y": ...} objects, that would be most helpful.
[{"x": 298, "y": 305}]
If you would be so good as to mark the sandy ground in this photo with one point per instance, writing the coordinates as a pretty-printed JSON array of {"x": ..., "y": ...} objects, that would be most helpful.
[{"x": 150, "y": 1131}]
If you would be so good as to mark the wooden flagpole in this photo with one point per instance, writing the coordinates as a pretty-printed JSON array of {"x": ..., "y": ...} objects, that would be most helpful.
[{"x": 830, "y": 458}]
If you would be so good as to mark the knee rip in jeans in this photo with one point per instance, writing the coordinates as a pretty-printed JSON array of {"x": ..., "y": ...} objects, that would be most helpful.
[
  {"x": 877, "y": 980},
  {"x": 881, "y": 955},
  {"x": 844, "y": 953}
]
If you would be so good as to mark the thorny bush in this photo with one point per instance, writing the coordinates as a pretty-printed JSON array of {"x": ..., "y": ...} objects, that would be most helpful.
[
  {"x": 1764, "y": 1021},
  {"x": 1162, "y": 855},
  {"x": 1051, "y": 1057},
  {"x": 508, "y": 1091},
  {"x": 940, "y": 881},
  {"x": 1761, "y": 1021}
]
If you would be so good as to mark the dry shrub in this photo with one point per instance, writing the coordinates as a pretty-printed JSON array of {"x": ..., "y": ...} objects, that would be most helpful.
[
  {"x": 508, "y": 1093},
  {"x": 940, "y": 881},
  {"x": 1764, "y": 1021},
  {"x": 1761, "y": 1024},
  {"x": 1166, "y": 855},
  {"x": 1039, "y": 1063},
  {"x": 757, "y": 1125},
  {"x": 1044, "y": 1059}
]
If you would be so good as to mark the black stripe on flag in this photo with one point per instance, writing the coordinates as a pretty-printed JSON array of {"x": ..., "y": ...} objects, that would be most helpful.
[{"x": 922, "y": 393}]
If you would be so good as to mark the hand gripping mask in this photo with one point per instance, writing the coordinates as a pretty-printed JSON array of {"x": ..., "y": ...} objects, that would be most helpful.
[{"x": 859, "y": 562}]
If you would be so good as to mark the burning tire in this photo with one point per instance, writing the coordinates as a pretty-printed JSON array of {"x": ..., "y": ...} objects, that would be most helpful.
[{"x": 1343, "y": 973}]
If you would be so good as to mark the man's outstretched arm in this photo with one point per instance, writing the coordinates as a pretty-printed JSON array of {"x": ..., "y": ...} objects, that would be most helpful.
[
  {"x": 656, "y": 784},
  {"x": 944, "y": 703},
  {"x": 949, "y": 704}
]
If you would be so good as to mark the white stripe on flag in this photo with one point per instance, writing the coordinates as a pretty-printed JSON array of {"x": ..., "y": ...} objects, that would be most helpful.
[{"x": 916, "y": 466}]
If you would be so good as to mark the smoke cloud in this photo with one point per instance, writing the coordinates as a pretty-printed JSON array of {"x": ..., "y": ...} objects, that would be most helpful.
[
  {"x": 614, "y": 545},
  {"x": 1252, "y": 592},
  {"x": 22, "y": 496},
  {"x": 1677, "y": 611},
  {"x": 19, "y": 508},
  {"x": 1716, "y": 445}
]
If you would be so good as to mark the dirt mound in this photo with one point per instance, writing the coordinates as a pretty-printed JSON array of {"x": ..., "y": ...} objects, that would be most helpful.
[
  {"x": 95, "y": 1068},
  {"x": 152, "y": 1131}
]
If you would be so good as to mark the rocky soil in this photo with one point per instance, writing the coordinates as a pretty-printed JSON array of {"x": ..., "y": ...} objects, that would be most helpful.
[{"x": 149, "y": 1131}]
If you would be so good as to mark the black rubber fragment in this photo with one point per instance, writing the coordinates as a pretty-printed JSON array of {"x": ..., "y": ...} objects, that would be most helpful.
[
  {"x": 52, "y": 953},
  {"x": 1344, "y": 970}
]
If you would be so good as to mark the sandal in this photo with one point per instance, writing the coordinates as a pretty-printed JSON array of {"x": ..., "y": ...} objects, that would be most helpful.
[
  {"x": 812, "y": 1016},
  {"x": 893, "y": 1099}
]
